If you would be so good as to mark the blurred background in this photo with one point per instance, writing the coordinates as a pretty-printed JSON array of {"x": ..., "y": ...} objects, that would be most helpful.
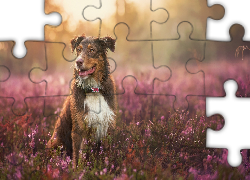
[{"x": 138, "y": 15}]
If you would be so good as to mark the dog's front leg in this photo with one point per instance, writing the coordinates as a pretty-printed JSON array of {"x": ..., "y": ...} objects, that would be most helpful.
[{"x": 77, "y": 136}]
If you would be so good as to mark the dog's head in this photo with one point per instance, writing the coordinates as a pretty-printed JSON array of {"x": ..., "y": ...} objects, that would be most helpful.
[{"x": 91, "y": 58}]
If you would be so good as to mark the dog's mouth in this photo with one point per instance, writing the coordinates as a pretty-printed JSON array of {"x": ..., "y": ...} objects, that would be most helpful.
[{"x": 84, "y": 73}]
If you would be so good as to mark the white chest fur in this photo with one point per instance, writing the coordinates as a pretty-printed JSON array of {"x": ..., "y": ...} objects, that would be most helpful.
[{"x": 100, "y": 116}]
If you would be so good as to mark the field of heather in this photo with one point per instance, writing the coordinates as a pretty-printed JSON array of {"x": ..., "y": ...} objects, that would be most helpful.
[{"x": 150, "y": 141}]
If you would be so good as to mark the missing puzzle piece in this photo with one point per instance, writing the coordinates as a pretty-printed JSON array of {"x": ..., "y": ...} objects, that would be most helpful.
[
  {"x": 236, "y": 12},
  {"x": 26, "y": 24},
  {"x": 235, "y": 134}
]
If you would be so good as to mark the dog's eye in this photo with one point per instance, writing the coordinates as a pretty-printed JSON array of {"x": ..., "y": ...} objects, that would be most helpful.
[
  {"x": 78, "y": 50},
  {"x": 91, "y": 50}
]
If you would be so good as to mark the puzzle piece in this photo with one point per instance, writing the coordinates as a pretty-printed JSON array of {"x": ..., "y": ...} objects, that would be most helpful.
[
  {"x": 195, "y": 12},
  {"x": 237, "y": 118},
  {"x": 220, "y": 65},
  {"x": 134, "y": 104},
  {"x": 35, "y": 108},
  {"x": 15, "y": 28},
  {"x": 57, "y": 73},
  {"x": 72, "y": 24},
  {"x": 11, "y": 87},
  {"x": 235, "y": 13},
  {"x": 182, "y": 49},
  {"x": 126, "y": 13},
  {"x": 127, "y": 64}
]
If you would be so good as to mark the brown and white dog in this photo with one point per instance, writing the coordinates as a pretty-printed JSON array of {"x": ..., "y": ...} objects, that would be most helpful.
[{"x": 92, "y": 103}]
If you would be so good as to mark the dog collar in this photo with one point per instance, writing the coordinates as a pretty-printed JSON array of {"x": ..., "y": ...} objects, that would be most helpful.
[
  {"x": 95, "y": 89},
  {"x": 88, "y": 88},
  {"x": 92, "y": 89}
]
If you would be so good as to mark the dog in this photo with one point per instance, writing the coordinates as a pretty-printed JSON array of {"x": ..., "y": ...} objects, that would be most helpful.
[{"x": 92, "y": 101}]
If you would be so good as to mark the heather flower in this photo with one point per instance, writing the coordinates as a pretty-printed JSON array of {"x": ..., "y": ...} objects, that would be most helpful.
[
  {"x": 187, "y": 131},
  {"x": 32, "y": 143},
  {"x": 161, "y": 120},
  {"x": 181, "y": 154},
  {"x": 18, "y": 174},
  {"x": 123, "y": 176},
  {"x": 209, "y": 158},
  {"x": 105, "y": 170},
  {"x": 15, "y": 171},
  {"x": 219, "y": 126},
  {"x": 83, "y": 172},
  {"x": 56, "y": 173},
  {"x": 64, "y": 164},
  {"x": 68, "y": 160},
  {"x": 32, "y": 136},
  {"x": 193, "y": 171},
  {"x": 224, "y": 157}
]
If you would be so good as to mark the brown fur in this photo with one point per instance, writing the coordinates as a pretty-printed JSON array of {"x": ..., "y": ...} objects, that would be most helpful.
[{"x": 71, "y": 127}]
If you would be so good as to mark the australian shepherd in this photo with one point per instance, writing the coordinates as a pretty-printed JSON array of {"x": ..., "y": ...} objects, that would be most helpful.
[{"x": 91, "y": 105}]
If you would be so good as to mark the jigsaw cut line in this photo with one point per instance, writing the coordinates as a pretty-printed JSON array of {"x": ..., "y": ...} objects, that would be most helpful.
[{"x": 115, "y": 24}]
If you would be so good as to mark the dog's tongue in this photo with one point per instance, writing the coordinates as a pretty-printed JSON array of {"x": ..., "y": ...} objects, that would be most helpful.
[{"x": 85, "y": 73}]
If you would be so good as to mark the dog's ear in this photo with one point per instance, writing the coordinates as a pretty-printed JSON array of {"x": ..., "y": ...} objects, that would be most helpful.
[
  {"x": 109, "y": 43},
  {"x": 76, "y": 41}
]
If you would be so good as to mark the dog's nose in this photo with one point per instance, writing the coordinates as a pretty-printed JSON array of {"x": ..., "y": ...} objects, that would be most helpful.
[{"x": 79, "y": 62}]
